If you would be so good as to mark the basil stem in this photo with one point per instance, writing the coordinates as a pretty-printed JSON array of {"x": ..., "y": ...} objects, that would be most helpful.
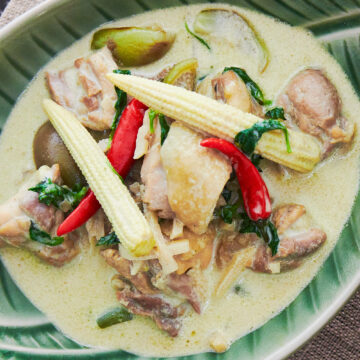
[
  {"x": 197, "y": 37},
  {"x": 152, "y": 116}
]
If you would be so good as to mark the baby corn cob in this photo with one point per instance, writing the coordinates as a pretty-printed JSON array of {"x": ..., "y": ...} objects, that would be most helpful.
[
  {"x": 127, "y": 220},
  {"x": 219, "y": 119}
]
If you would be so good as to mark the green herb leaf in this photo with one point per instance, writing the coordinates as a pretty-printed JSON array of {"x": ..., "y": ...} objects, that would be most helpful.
[
  {"x": 264, "y": 229},
  {"x": 247, "y": 139},
  {"x": 275, "y": 113},
  {"x": 119, "y": 105},
  {"x": 54, "y": 194},
  {"x": 249, "y": 226},
  {"x": 197, "y": 36},
  {"x": 152, "y": 116},
  {"x": 254, "y": 89},
  {"x": 108, "y": 240},
  {"x": 270, "y": 235},
  {"x": 164, "y": 127},
  {"x": 239, "y": 290},
  {"x": 255, "y": 159},
  {"x": 43, "y": 237},
  {"x": 226, "y": 194},
  {"x": 114, "y": 316},
  {"x": 229, "y": 212}
]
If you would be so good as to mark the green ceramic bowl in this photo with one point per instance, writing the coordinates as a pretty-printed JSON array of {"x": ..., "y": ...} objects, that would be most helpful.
[{"x": 33, "y": 39}]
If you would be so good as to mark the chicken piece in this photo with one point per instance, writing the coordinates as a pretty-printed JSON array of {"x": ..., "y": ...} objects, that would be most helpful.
[
  {"x": 231, "y": 244},
  {"x": 301, "y": 244},
  {"x": 17, "y": 213},
  {"x": 85, "y": 90},
  {"x": 231, "y": 90},
  {"x": 57, "y": 255},
  {"x": 195, "y": 176},
  {"x": 154, "y": 178},
  {"x": 95, "y": 227},
  {"x": 201, "y": 248},
  {"x": 291, "y": 251},
  {"x": 165, "y": 315},
  {"x": 157, "y": 76},
  {"x": 141, "y": 280},
  {"x": 285, "y": 215},
  {"x": 261, "y": 259},
  {"x": 314, "y": 105},
  {"x": 183, "y": 285}
]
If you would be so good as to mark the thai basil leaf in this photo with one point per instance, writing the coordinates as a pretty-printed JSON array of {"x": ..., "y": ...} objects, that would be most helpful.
[
  {"x": 270, "y": 235},
  {"x": 164, "y": 127},
  {"x": 226, "y": 194},
  {"x": 197, "y": 37},
  {"x": 229, "y": 212},
  {"x": 36, "y": 234},
  {"x": 254, "y": 89},
  {"x": 275, "y": 113},
  {"x": 108, "y": 240},
  {"x": 114, "y": 316},
  {"x": 255, "y": 159},
  {"x": 248, "y": 225},
  {"x": 119, "y": 105},
  {"x": 264, "y": 229},
  {"x": 54, "y": 194},
  {"x": 247, "y": 139}
]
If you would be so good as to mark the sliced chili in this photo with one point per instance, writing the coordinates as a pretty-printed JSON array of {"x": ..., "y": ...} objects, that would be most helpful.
[
  {"x": 253, "y": 188},
  {"x": 120, "y": 156}
]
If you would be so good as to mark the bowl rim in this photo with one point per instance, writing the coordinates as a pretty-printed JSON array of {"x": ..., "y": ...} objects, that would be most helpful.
[{"x": 284, "y": 351}]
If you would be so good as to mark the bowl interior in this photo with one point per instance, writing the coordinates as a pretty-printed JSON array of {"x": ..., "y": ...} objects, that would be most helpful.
[{"x": 24, "y": 331}]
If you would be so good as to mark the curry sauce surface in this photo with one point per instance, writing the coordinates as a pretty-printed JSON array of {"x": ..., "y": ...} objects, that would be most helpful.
[{"x": 75, "y": 295}]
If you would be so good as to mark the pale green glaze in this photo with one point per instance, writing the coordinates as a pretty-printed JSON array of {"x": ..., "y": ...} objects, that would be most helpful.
[{"x": 24, "y": 332}]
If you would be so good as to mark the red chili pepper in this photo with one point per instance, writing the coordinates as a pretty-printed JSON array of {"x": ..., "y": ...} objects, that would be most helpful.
[
  {"x": 120, "y": 156},
  {"x": 253, "y": 188}
]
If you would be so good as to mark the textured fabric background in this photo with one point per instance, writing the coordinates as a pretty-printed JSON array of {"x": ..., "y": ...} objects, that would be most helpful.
[{"x": 340, "y": 339}]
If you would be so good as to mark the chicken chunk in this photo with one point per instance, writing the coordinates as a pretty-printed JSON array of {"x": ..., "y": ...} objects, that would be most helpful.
[
  {"x": 230, "y": 244},
  {"x": 123, "y": 266},
  {"x": 195, "y": 176},
  {"x": 85, "y": 90},
  {"x": 165, "y": 315},
  {"x": 291, "y": 251},
  {"x": 201, "y": 249},
  {"x": 284, "y": 216},
  {"x": 19, "y": 211},
  {"x": 183, "y": 285},
  {"x": 292, "y": 248},
  {"x": 314, "y": 105},
  {"x": 230, "y": 89},
  {"x": 301, "y": 244},
  {"x": 154, "y": 178}
]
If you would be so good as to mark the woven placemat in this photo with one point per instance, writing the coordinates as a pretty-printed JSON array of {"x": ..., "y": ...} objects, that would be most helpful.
[{"x": 340, "y": 339}]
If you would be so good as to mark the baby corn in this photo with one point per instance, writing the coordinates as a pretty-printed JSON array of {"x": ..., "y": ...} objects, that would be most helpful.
[
  {"x": 127, "y": 220},
  {"x": 219, "y": 119}
]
